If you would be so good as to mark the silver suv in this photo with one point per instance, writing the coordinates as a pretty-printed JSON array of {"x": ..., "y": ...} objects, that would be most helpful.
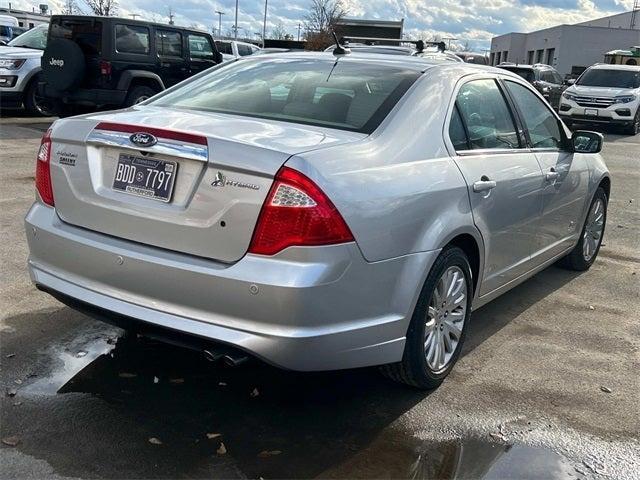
[{"x": 20, "y": 71}]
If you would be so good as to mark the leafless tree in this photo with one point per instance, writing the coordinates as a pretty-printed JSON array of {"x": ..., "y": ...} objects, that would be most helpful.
[
  {"x": 278, "y": 32},
  {"x": 103, "y": 7},
  {"x": 70, "y": 7},
  {"x": 321, "y": 21}
]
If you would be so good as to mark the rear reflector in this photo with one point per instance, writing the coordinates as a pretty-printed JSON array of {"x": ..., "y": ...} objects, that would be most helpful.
[
  {"x": 43, "y": 170},
  {"x": 296, "y": 212},
  {"x": 157, "y": 132}
]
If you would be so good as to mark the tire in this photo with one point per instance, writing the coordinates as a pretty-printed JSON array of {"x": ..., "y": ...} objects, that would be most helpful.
[
  {"x": 415, "y": 369},
  {"x": 577, "y": 259},
  {"x": 63, "y": 64},
  {"x": 634, "y": 128},
  {"x": 36, "y": 104},
  {"x": 138, "y": 94}
]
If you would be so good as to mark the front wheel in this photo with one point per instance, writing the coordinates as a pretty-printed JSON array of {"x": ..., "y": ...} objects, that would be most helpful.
[
  {"x": 36, "y": 104},
  {"x": 138, "y": 94},
  {"x": 585, "y": 252},
  {"x": 634, "y": 128},
  {"x": 438, "y": 325}
]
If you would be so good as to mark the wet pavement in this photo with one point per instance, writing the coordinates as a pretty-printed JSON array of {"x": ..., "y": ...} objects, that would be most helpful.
[{"x": 547, "y": 386}]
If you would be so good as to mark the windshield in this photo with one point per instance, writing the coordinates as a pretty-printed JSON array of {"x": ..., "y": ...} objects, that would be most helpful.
[
  {"x": 525, "y": 73},
  {"x": 600, "y": 77},
  {"x": 34, "y": 38},
  {"x": 6, "y": 31},
  {"x": 351, "y": 95}
]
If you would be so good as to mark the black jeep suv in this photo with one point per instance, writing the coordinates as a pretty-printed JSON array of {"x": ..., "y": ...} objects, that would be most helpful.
[{"x": 117, "y": 62}]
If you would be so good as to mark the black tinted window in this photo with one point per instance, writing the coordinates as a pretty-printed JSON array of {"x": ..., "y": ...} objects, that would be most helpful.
[
  {"x": 244, "y": 50},
  {"x": 343, "y": 95},
  {"x": 543, "y": 127},
  {"x": 456, "y": 132},
  {"x": 169, "y": 44},
  {"x": 132, "y": 39},
  {"x": 486, "y": 115},
  {"x": 526, "y": 73},
  {"x": 224, "y": 47},
  {"x": 200, "y": 47},
  {"x": 86, "y": 33}
]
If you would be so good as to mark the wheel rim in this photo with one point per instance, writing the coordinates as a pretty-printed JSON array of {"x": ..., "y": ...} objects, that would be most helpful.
[
  {"x": 43, "y": 106},
  {"x": 593, "y": 230},
  {"x": 445, "y": 318}
]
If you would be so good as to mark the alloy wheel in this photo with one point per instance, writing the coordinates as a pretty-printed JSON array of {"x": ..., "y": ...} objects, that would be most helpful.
[
  {"x": 593, "y": 230},
  {"x": 445, "y": 318}
]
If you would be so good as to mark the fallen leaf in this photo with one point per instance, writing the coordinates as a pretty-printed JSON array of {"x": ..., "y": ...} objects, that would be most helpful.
[
  {"x": 269, "y": 453},
  {"x": 81, "y": 353},
  {"x": 255, "y": 392},
  {"x": 11, "y": 441},
  {"x": 177, "y": 381},
  {"x": 591, "y": 307},
  {"x": 10, "y": 355},
  {"x": 127, "y": 375},
  {"x": 156, "y": 379},
  {"x": 11, "y": 392},
  {"x": 18, "y": 381},
  {"x": 154, "y": 441},
  {"x": 222, "y": 450},
  {"x": 17, "y": 404},
  {"x": 211, "y": 436},
  {"x": 606, "y": 389}
]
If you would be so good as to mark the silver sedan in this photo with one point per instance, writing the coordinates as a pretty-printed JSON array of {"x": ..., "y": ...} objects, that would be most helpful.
[{"x": 317, "y": 211}]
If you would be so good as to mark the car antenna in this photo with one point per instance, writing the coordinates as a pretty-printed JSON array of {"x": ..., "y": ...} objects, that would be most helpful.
[{"x": 340, "y": 49}]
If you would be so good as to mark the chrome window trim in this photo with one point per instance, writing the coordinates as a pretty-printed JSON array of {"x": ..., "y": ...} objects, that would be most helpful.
[{"x": 164, "y": 146}]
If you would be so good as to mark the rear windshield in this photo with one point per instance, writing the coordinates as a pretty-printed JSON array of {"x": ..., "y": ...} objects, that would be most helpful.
[
  {"x": 86, "y": 33},
  {"x": 345, "y": 95},
  {"x": 525, "y": 73},
  {"x": 600, "y": 77}
]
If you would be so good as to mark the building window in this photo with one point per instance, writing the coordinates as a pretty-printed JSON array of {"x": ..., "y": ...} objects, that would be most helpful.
[
  {"x": 530, "y": 57},
  {"x": 539, "y": 55},
  {"x": 31, "y": 25},
  {"x": 505, "y": 55},
  {"x": 497, "y": 58},
  {"x": 550, "y": 54},
  {"x": 492, "y": 58}
]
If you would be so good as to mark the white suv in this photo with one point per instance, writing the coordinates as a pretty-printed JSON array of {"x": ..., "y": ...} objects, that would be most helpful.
[{"x": 607, "y": 94}]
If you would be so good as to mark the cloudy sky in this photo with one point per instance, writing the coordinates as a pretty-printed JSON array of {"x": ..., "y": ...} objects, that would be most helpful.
[{"x": 475, "y": 21}]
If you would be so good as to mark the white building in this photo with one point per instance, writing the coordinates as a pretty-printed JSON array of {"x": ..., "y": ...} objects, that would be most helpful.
[
  {"x": 569, "y": 48},
  {"x": 28, "y": 19}
]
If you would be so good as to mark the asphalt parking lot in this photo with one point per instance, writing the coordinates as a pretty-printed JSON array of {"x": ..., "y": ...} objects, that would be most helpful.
[{"x": 548, "y": 385}]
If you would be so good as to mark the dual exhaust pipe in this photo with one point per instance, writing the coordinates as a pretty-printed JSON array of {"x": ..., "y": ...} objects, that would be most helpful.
[{"x": 230, "y": 358}]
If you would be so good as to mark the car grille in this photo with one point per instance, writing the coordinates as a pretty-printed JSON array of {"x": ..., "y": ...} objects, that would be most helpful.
[{"x": 596, "y": 102}]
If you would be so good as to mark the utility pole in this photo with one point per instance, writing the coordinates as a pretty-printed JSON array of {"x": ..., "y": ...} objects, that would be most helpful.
[
  {"x": 264, "y": 24},
  {"x": 219, "y": 22},
  {"x": 170, "y": 16},
  {"x": 235, "y": 30},
  {"x": 134, "y": 15},
  {"x": 299, "y": 27}
]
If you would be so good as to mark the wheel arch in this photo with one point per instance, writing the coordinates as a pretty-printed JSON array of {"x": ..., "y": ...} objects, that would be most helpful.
[
  {"x": 605, "y": 184},
  {"x": 134, "y": 78},
  {"x": 471, "y": 243}
]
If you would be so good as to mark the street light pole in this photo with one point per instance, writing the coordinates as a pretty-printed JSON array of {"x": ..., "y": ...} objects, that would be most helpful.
[
  {"x": 219, "y": 22},
  {"x": 235, "y": 30},
  {"x": 264, "y": 24}
]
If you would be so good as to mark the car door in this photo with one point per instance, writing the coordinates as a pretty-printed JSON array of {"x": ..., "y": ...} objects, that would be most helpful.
[
  {"x": 504, "y": 179},
  {"x": 566, "y": 174},
  {"x": 201, "y": 52},
  {"x": 169, "y": 46}
]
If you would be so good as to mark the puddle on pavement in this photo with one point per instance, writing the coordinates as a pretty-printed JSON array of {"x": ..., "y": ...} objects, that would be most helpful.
[{"x": 334, "y": 424}]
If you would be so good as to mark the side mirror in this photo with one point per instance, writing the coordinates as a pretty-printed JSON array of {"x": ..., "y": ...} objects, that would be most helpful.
[
  {"x": 584, "y": 141},
  {"x": 217, "y": 56},
  {"x": 570, "y": 81}
]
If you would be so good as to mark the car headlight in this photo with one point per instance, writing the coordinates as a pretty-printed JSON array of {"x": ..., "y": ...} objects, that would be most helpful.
[
  {"x": 624, "y": 99},
  {"x": 568, "y": 96},
  {"x": 12, "y": 63}
]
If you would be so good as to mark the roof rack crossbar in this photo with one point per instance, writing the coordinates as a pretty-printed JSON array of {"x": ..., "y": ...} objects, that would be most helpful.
[{"x": 420, "y": 44}]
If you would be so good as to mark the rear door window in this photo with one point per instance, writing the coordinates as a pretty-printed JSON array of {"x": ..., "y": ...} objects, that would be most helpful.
[
  {"x": 132, "y": 39},
  {"x": 169, "y": 43},
  {"x": 200, "y": 47},
  {"x": 485, "y": 113},
  {"x": 87, "y": 34},
  {"x": 224, "y": 47},
  {"x": 244, "y": 50}
]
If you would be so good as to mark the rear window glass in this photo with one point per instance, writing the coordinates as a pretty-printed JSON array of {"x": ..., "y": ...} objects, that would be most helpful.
[
  {"x": 600, "y": 77},
  {"x": 199, "y": 47},
  {"x": 224, "y": 47},
  {"x": 345, "y": 95},
  {"x": 525, "y": 73},
  {"x": 86, "y": 33},
  {"x": 169, "y": 44},
  {"x": 132, "y": 39}
]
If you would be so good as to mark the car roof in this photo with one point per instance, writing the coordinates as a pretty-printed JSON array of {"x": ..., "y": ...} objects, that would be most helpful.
[
  {"x": 609, "y": 66},
  {"x": 128, "y": 21}
]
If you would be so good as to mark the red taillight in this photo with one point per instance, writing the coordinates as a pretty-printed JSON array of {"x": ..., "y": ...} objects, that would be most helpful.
[
  {"x": 105, "y": 67},
  {"x": 43, "y": 172},
  {"x": 297, "y": 212}
]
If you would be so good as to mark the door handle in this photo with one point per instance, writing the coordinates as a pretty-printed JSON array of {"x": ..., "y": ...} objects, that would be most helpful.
[
  {"x": 551, "y": 175},
  {"x": 484, "y": 184}
]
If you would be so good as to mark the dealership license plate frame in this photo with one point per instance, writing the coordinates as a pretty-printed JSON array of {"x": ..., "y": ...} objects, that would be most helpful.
[
  {"x": 591, "y": 112},
  {"x": 146, "y": 163}
]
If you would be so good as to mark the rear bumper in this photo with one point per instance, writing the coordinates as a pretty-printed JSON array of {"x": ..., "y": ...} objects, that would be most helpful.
[
  {"x": 320, "y": 308},
  {"x": 85, "y": 96}
]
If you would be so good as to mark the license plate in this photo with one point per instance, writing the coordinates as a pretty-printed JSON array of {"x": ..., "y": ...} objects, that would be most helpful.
[
  {"x": 591, "y": 111},
  {"x": 145, "y": 177}
]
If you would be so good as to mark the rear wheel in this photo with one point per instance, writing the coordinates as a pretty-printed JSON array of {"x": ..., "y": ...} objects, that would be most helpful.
[
  {"x": 138, "y": 94},
  {"x": 36, "y": 104},
  {"x": 585, "y": 252},
  {"x": 438, "y": 325}
]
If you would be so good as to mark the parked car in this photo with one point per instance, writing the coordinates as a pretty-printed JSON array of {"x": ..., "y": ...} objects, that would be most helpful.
[
  {"x": 357, "y": 220},
  {"x": 545, "y": 78},
  {"x": 232, "y": 49},
  {"x": 605, "y": 94},
  {"x": 20, "y": 72},
  {"x": 7, "y": 24},
  {"x": 107, "y": 62}
]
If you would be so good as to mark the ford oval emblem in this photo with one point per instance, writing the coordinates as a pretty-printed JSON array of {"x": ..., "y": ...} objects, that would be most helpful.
[{"x": 143, "y": 139}]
